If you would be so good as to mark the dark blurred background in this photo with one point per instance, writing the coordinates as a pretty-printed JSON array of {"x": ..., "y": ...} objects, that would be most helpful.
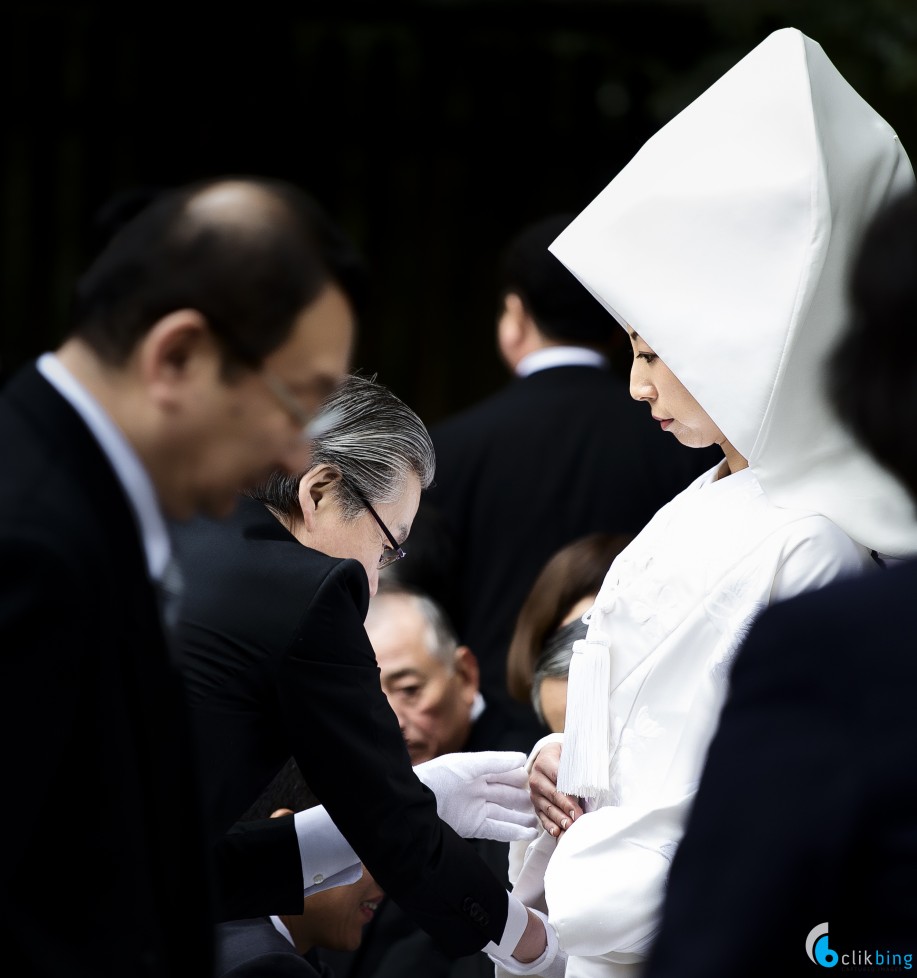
[{"x": 432, "y": 130}]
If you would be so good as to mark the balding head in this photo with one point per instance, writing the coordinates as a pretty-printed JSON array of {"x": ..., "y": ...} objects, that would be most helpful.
[
  {"x": 247, "y": 208},
  {"x": 249, "y": 255},
  {"x": 430, "y": 680}
]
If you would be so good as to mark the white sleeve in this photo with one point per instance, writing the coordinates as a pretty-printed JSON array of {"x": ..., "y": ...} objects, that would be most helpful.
[
  {"x": 820, "y": 553},
  {"x": 326, "y": 856},
  {"x": 606, "y": 880}
]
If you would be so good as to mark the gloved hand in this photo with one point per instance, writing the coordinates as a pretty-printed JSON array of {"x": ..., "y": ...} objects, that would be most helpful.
[{"x": 482, "y": 794}]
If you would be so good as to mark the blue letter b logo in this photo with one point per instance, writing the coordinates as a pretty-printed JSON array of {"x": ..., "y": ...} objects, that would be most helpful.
[{"x": 823, "y": 954}]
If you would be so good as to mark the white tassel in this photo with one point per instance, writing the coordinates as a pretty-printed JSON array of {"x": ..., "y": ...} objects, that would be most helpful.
[{"x": 587, "y": 751}]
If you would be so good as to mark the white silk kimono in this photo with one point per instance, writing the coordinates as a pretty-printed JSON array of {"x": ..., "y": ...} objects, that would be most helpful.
[
  {"x": 725, "y": 244},
  {"x": 673, "y": 609}
]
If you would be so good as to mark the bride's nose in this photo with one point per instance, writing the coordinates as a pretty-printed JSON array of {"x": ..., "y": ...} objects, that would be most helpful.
[{"x": 641, "y": 387}]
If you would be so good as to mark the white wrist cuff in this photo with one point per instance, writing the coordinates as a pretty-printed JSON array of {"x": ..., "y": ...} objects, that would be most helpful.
[
  {"x": 326, "y": 856},
  {"x": 551, "y": 963},
  {"x": 517, "y": 919}
]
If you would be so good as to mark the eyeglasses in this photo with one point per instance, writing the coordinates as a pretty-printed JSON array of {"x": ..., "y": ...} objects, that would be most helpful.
[
  {"x": 389, "y": 554},
  {"x": 290, "y": 404}
]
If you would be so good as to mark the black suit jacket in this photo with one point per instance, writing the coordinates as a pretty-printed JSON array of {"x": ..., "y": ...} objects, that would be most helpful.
[
  {"x": 807, "y": 809},
  {"x": 254, "y": 949},
  {"x": 102, "y": 867},
  {"x": 277, "y": 662},
  {"x": 393, "y": 946},
  {"x": 550, "y": 458}
]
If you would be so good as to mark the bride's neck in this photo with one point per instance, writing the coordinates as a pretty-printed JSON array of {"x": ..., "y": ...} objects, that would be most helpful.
[{"x": 733, "y": 462}]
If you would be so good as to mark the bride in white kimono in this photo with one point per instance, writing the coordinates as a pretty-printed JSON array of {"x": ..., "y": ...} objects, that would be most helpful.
[{"x": 722, "y": 248}]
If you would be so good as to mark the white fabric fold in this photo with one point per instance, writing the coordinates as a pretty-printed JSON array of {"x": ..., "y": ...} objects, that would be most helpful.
[{"x": 725, "y": 244}]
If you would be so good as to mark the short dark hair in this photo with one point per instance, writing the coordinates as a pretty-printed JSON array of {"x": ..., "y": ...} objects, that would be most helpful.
[
  {"x": 563, "y": 309},
  {"x": 873, "y": 372},
  {"x": 248, "y": 269},
  {"x": 573, "y": 572}
]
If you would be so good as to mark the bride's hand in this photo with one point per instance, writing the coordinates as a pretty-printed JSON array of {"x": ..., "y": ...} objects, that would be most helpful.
[{"x": 556, "y": 810}]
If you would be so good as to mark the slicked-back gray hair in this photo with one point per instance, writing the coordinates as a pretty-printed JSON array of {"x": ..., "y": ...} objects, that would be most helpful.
[
  {"x": 368, "y": 435},
  {"x": 441, "y": 639}
]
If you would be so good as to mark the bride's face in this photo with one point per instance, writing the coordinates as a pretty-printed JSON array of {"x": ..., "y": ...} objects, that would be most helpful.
[{"x": 671, "y": 404}]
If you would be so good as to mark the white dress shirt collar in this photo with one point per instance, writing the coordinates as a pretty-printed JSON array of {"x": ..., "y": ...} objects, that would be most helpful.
[
  {"x": 282, "y": 928},
  {"x": 135, "y": 481},
  {"x": 559, "y": 356}
]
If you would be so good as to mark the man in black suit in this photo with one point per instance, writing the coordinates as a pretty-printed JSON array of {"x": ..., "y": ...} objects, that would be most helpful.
[
  {"x": 204, "y": 336},
  {"x": 277, "y": 662},
  {"x": 432, "y": 685},
  {"x": 559, "y": 453},
  {"x": 801, "y": 849}
]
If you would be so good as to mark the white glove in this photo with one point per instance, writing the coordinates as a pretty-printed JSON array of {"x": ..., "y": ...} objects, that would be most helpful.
[{"x": 482, "y": 794}]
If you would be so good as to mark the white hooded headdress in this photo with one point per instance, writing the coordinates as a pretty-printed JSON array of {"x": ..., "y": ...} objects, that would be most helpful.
[{"x": 726, "y": 243}]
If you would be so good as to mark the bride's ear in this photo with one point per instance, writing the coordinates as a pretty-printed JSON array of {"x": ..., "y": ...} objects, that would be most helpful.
[{"x": 315, "y": 488}]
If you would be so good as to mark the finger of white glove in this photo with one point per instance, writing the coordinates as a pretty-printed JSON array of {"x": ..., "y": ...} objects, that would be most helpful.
[
  {"x": 499, "y": 814},
  {"x": 501, "y": 831},
  {"x": 502, "y": 794},
  {"x": 516, "y": 778},
  {"x": 500, "y": 760},
  {"x": 475, "y": 764}
]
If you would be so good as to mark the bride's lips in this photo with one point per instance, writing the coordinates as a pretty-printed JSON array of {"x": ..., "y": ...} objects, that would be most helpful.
[{"x": 663, "y": 422}]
